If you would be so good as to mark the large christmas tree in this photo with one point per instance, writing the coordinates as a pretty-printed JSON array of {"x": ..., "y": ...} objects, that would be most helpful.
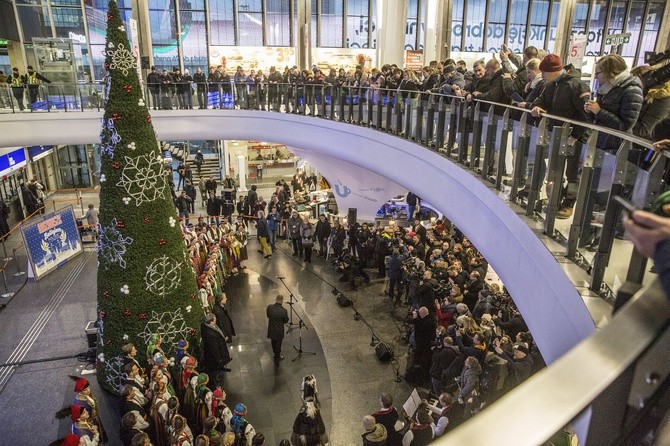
[{"x": 146, "y": 284}]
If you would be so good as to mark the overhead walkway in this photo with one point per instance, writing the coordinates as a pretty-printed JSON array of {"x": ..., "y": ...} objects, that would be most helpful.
[{"x": 437, "y": 150}]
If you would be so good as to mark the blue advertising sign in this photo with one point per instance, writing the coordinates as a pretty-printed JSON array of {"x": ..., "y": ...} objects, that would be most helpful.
[
  {"x": 51, "y": 241},
  {"x": 12, "y": 160},
  {"x": 37, "y": 152}
]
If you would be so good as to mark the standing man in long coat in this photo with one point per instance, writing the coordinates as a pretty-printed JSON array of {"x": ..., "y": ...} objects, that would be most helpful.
[
  {"x": 277, "y": 317},
  {"x": 215, "y": 353},
  {"x": 223, "y": 319}
]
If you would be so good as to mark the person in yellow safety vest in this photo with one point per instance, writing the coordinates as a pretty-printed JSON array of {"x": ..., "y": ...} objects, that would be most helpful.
[
  {"x": 18, "y": 83},
  {"x": 33, "y": 79}
]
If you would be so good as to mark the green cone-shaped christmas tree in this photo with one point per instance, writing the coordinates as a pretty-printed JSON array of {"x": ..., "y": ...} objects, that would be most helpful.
[{"x": 146, "y": 284}]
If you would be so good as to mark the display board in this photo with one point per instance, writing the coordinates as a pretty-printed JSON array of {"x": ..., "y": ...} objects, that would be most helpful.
[
  {"x": 251, "y": 58},
  {"x": 347, "y": 58},
  {"x": 51, "y": 240}
]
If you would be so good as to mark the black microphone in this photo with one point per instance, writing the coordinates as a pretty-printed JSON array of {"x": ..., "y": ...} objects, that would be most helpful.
[{"x": 280, "y": 277}]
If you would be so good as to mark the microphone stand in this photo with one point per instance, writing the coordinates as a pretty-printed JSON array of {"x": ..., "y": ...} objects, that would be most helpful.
[
  {"x": 291, "y": 301},
  {"x": 299, "y": 348}
]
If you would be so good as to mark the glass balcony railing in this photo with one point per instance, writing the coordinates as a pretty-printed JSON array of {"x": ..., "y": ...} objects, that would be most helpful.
[{"x": 524, "y": 159}]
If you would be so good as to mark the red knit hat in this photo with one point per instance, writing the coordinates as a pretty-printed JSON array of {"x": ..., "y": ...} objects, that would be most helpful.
[
  {"x": 80, "y": 384},
  {"x": 75, "y": 413},
  {"x": 70, "y": 440},
  {"x": 551, "y": 63}
]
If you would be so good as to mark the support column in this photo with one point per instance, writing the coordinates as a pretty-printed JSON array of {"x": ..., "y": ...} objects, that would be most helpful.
[
  {"x": 566, "y": 15},
  {"x": 391, "y": 24},
  {"x": 434, "y": 13},
  {"x": 242, "y": 173},
  {"x": 663, "y": 38},
  {"x": 303, "y": 43},
  {"x": 141, "y": 14}
]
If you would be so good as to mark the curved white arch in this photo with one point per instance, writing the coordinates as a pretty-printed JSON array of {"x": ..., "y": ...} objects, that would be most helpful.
[{"x": 550, "y": 304}]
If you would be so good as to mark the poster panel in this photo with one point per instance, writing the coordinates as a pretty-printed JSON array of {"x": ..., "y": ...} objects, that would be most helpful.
[
  {"x": 51, "y": 240},
  {"x": 251, "y": 58},
  {"x": 347, "y": 58}
]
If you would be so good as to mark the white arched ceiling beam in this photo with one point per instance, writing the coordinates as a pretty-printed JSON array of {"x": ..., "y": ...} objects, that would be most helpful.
[{"x": 550, "y": 304}]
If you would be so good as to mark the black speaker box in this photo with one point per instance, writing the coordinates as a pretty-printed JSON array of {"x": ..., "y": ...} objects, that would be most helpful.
[
  {"x": 343, "y": 301},
  {"x": 384, "y": 352},
  {"x": 352, "y": 216}
]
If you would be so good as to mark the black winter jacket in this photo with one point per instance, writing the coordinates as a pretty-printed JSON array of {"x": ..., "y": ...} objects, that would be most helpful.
[
  {"x": 566, "y": 98},
  {"x": 620, "y": 108}
]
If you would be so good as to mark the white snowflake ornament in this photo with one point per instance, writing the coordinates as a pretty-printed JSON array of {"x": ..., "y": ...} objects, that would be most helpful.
[
  {"x": 112, "y": 245},
  {"x": 125, "y": 289},
  {"x": 126, "y": 200},
  {"x": 163, "y": 276},
  {"x": 143, "y": 178},
  {"x": 122, "y": 59}
]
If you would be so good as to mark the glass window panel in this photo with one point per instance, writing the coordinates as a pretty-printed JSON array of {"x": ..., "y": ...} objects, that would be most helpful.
[
  {"x": 250, "y": 6},
  {"x": 314, "y": 25},
  {"x": 518, "y": 18},
  {"x": 163, "y": 27},
  {"x": 278, "y": 26},
  {"x": 411, "y": 28},
  {"x": 651, "y": 28},
  {"x": 34, "y": 21},
  {"x": 221, "y": 21},
  {"x": 194, "y": 39},
  {"x": 538, "y": 23},
  {"x": 636, "y": 20},
  {"x": 357, "y": 23},
  {"x": 191, "y": 5},
  {"x": 596, "y": 27},
  {"x": 474, "y": 28},
  {"x": 251, "y": 28},
  {"x": 373, "y": 21},
  {"x": 495, "y": 34},
  {"x": 98, "y": 61},
  {"x": 97, "y": 22},
  {"x": 65, "y": 3},
  {"x": 68, "y": 20},
  {"x": 165, "y": 57},
  {"x": 616, "y": 19},
  {"x": 457, "y": 25},
  {"x": 102, "y": 4},
  {"x": 332, "y": 23},
  {"x": 553, "y": 24}
]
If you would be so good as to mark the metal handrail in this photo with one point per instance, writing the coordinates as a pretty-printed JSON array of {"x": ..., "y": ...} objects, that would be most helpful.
[{"x": 539, "y": 407}]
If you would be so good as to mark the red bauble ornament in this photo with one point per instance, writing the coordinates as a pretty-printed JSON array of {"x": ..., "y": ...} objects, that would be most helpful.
[
  {"x": 103, "y": 313},
  {"x": 127, "y": 313},
  {"x": 127, "y": 88},
  {"x": 105, "y": 294},
  {"x": 120, "y": 224},
  {"x": 116, "y": 116},
  {"x": 162, "y": 242},
  {"x": 148, "y": 118},
  {"x": 191, "y": 331},
  {"x": 110, "y": 17},
  {"x": 109, "y": 341},
  {"x": 147, "y": 220},
  {"x": 143, "y": 316},
  {"x": 116, "y": 165},
  {"x": 193, "y": 296}
]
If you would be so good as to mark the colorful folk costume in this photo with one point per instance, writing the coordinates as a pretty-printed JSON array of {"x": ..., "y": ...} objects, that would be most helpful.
[
  {"x": 84, "y": 399},
  {"x": 82, "y": 427}
]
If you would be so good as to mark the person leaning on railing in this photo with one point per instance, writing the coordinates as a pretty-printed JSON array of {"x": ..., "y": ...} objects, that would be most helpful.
[
  {"x": 650, "y": 233},
  {"x": 564, "y": 95}
]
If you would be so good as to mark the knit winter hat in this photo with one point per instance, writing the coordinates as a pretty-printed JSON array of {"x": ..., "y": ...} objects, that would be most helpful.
[
  {"x": 461, "y": 308},
  {"x": 551, "y": 63},
  {"x": 240, "y": 409},
  {"x": 75, "y": 413},
  {"x": 80, "y": 384}
]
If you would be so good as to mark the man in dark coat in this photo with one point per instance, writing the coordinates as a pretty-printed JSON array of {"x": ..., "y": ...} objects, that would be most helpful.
[
  {"x": 215, "y": 353},
  {"x": 223, "y": 319},
  {"x": 277, "y": 317},
  {"x": 424, "y": 335}
]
